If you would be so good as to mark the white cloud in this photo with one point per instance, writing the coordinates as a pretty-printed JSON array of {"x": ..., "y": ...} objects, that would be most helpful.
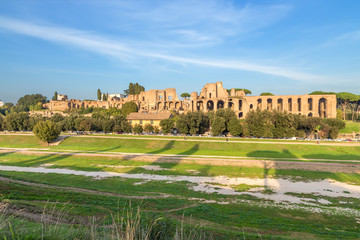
[
  {"x": 117, "y": 49},
  {"x": 345, "y": 38}
]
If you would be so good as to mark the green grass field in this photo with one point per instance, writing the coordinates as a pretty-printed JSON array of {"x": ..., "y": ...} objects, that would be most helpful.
[
  {"x": 219, "y": 221},
  {"x": 111, "y": 164},
  {"x": 83, "y": 207},
  {"x": 351, "y": 127},
  {"x": 190, "y": 148}
]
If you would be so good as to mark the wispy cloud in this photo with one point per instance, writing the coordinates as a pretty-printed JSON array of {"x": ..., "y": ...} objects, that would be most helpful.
[
  {"x": 125, "y": 52},
  {"x": 345, "y": 38},
  {"x": 192, "y": 35},
  {"x": 208, "y": 21}
]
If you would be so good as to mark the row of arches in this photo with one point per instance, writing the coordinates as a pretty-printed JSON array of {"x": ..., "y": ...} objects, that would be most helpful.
[
  {"x": 298, "y": 105},
  {"x": 169, "y": 105},
  {"x": 291, "y": 107},
  {"x": 210, "y": 105}
]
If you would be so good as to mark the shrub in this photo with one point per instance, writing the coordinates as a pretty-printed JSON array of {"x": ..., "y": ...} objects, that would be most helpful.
[
  {"x": 128, "y": 108},
  {"x": 148, "y": 128},
  {"x": 46, "y": 131},
  {"x": 167, "y": 125},
  {"x": 235, "y": 127},
  {"x": 218, "y": 126},
  {"x": 138, "y": 129},
  {"x": 193, "y": 123}
]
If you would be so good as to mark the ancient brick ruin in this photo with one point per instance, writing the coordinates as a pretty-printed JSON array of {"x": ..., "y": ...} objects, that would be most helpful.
[{"x": 212, "y": 97}]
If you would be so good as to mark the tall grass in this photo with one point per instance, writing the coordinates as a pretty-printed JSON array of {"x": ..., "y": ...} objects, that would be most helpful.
[{"x": 127, "y": 224}]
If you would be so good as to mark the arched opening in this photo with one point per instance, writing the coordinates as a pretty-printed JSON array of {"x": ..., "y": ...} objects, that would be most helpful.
[
  {"x": 220, "y": 104},
  {"x": 310, "y": 115},
  {"x": 322, "y": 107},
  {"x": 290, "y": 104},
  {"x": 177, "y": 105},
  {"x": 210, "y": 105},
  {"x": 310, "y": 104},
  {"x": 240, "y": 105},
  {"x": 251, "y": 106},
  {"x": 269, "y": 104},
  {"x": 241, "y": 114},
  {"x": 200, "y": 106},
  {"x": 171, "y": 104},
  {"x": 259, "y": 104},
  {"x": 280, "y": 104},
  {"x": 209, "y": 95},
  {"x": 160, "y": 106},
  {"x": 299, "y": 104},
  {"x": 230, "y": 105}
]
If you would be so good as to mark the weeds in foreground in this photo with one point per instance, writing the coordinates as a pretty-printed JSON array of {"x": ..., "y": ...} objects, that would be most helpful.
[{"x": 129, "y": 224}]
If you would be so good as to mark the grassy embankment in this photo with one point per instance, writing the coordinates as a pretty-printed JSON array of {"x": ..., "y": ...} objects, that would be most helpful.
[
  {"x": 239, "y": 149},
  {"x": 232, "y": 221},
  {"x": 351, "y": 127},
  {"x": 114, "y": 164}
]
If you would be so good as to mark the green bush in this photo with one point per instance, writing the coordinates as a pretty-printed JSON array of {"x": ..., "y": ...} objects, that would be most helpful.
[
  {"x": 167, "y": 125},
  {"x": 46, "y": 131},
  {"x": 138, "y": 129}
]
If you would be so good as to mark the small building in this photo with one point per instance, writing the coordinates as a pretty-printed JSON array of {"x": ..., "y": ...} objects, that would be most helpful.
[
  {"x": 116, "y": 95},
  {"x": 147, "y": 118},
  {"x": 62, "y": 97}
]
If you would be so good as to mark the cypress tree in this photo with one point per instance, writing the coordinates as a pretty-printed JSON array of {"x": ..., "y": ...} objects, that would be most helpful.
[{"x": 99, "y": 94}]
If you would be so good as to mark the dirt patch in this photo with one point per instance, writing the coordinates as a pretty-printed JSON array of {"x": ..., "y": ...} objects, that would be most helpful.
[{"x": 58, "y": 140}]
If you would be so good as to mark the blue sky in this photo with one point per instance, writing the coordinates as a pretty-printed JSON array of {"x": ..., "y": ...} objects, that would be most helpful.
[{"x": 76, "y": 47}]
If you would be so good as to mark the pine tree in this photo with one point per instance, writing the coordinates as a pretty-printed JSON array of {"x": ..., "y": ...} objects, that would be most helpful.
[{"x": 99, "y": 94}]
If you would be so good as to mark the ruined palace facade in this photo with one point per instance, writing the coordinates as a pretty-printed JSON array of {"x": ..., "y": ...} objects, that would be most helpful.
[{"x": 213, "y": 97}]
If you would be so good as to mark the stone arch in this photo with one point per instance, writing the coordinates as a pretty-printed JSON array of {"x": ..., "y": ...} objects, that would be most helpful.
[
  {"x": 220, "y": 104},
  {"x": 310, "y": 104},
  {"x": 241, "y": 115},
  {"x": 299, "y": 104},
  {"x": 160, "y": 106},
  {"x": 240, "y": 105},
  {"x": 280, "y": 104},
  {"x": 177, "y": 105},
  {"x": 251, "y": 106},
  {"x": 200, "y": 106},
  {"x": 322, "y": 107},
  {"x": 310, "y": 115},
  {"x": 259, "y": 104},
  {"x": 171, "y": 105},
  {"x": 269, "y": 104},
  {"x": 230, "y": 105},
  {"x": 210, "y": 105},
  {"x": 290, "y": 104}
]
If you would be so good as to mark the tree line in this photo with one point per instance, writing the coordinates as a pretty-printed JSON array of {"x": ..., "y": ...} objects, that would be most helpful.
[{"x": 268, "y": 124}]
